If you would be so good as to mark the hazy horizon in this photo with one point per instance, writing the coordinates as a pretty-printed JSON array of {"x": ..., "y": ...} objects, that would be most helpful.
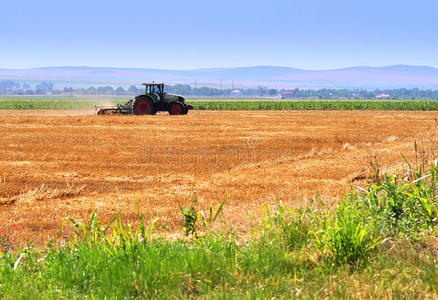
[{"x": 396, "y": 76}]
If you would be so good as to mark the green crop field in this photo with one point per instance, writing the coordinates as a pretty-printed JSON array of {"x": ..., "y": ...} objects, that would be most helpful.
[
  {"x": 236, "y": 104},
  {"x": 316, "y": 105}
]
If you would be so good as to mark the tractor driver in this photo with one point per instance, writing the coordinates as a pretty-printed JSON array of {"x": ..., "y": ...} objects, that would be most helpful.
[{"x": 156, "y": 92}]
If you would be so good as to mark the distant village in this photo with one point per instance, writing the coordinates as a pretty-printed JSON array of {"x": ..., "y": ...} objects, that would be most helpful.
[{"x": 15, "y": 88}]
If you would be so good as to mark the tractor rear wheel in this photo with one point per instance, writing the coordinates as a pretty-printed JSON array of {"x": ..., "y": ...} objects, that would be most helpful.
[
  {"x": 144, "y": 106},
  {"x": 177, "y": 108}
]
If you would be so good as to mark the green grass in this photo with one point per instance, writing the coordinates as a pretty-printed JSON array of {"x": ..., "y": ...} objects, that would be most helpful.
[
  {"x": 379, "y": 242},
  {"x": 49, "y": 104},
  {"x": 68, "y": 103},
  {"x": 213, "y": 268},
  {"x": 62, "y": 97}
]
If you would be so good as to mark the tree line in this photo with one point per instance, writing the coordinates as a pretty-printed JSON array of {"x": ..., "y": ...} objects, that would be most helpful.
[{"x": 9, "y": 87}]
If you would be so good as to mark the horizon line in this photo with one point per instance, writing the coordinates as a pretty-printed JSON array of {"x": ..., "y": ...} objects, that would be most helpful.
[{"x": 219, "y": 68}]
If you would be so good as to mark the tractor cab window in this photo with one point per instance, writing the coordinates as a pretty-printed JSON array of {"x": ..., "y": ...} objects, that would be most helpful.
[{"x": 155, "y": 90}]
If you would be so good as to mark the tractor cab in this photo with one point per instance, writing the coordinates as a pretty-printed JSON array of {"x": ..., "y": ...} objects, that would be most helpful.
[{"x": 154, "y": 89}]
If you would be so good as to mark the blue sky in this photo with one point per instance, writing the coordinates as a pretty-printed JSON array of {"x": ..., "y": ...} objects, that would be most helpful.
[{"x": 311, "y": 34}]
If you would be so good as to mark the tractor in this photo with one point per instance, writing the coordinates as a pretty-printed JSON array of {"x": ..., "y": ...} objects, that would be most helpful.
[{"x": 153, "y": 100}]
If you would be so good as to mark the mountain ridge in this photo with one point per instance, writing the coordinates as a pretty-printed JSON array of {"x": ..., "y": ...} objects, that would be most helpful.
[{"x": 393, "y": 76}]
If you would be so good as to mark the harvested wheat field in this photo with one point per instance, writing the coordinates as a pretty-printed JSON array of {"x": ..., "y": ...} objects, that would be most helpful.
[{"x": 55, "y": 164}]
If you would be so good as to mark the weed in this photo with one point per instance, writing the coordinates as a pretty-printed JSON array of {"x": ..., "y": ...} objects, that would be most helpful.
[
  {"x": 348, "y": 236},
  {"x": 8, "y": 240},
  {"x": 124, "y": 238},
  {"x": 404, "y": 204},
  {"x": 190, "y": 218},
  {"x": 212, "y": 215},
  {"x": 292, "y": 226}
]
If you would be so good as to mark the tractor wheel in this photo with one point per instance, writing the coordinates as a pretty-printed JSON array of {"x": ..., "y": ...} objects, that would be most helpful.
[
  {"x": 177, "y": 108},
  {"x": 144, "y": 106}
]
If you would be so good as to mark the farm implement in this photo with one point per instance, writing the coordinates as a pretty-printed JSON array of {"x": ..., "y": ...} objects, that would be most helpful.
[{"x": 153, "y": 100}]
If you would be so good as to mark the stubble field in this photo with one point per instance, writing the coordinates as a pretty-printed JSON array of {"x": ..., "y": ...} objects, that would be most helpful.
[{"x": 55, "y": 164}]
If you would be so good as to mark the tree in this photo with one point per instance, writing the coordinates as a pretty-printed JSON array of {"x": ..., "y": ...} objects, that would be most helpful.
[
  {"x": 9, "y": 84},
  {"x": 47, "y": 86},
  {"x": 120, "y": 91},
  {"x": 91, "y": 90},
  {"x": 105, "y": 90},
  {"x": 133, "y": 90}
]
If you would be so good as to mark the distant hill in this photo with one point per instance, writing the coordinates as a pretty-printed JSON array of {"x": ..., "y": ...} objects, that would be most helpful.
[{"x": 398, "y": 76}]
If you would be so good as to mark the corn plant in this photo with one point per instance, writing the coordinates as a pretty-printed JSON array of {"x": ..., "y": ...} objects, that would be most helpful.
[{"x": 316, "y": 105}]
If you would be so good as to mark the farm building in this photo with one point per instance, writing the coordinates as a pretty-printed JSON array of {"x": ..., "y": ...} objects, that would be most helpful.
[
  {"x": 288, "y": 95},
  {"x": 383, "y": 96}
]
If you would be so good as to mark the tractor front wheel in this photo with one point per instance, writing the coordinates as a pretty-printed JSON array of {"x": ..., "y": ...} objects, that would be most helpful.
[
  {"x": 177, "y": 108},
  {"x": 144, "y": 106}
]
